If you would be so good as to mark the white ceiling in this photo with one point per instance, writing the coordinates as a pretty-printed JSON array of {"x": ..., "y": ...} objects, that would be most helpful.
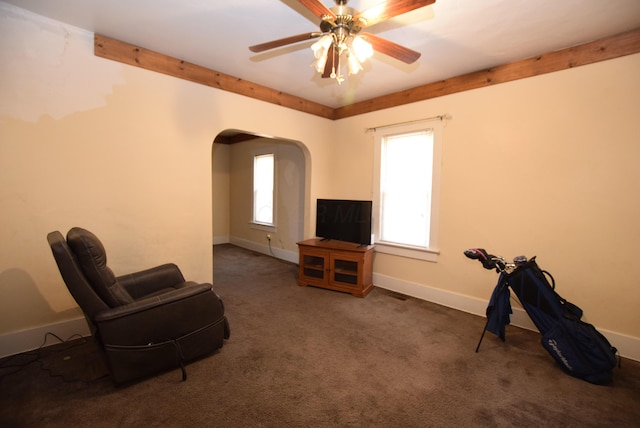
[{"x": 454, "y": 36}]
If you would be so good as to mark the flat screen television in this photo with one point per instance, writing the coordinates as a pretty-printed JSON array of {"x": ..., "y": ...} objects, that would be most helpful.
[{"x": 344, "y": 220}]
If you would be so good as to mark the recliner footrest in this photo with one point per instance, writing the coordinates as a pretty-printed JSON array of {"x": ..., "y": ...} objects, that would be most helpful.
[{"x": 131, "y": 362}]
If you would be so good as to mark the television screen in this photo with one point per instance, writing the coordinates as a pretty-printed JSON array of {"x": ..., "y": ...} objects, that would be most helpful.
[{"x": 344, "y": 220}]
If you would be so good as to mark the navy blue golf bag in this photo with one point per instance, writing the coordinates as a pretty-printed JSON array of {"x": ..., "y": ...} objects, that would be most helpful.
[{"x": 579, "y": 349}]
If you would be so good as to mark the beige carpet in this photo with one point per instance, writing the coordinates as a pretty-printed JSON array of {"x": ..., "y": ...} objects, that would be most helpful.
[{"x": 308, "y": 357}]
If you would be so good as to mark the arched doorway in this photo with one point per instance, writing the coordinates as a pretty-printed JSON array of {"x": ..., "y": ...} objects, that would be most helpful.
[{"x": 232, "y": 191}]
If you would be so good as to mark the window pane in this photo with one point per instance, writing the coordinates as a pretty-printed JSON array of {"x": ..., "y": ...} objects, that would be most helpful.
[
  {"x": 405, "y": 188},
  {"x": 263, "y": 170}
]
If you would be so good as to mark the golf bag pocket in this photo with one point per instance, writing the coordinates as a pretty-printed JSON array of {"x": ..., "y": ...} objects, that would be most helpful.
[{"x": 581, "y": 350}]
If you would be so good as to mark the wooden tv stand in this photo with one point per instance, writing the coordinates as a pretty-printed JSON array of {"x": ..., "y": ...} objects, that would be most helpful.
[{"x": 336, "y": 265}]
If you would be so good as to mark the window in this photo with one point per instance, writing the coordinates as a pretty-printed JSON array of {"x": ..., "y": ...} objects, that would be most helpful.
[
  {"x": 406, "y": 190},
  {"x": 263, "y": 189}
]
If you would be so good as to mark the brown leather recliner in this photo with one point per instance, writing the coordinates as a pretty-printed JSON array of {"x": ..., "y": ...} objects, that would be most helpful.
[{"x": 145, "y": 322}]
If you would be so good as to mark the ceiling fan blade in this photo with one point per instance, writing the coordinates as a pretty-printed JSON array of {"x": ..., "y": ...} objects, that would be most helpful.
[
  {"x": 389, "y": 9},
  {"x": 318, "y": 8},
  {"x": 390, "y": 48},
  {"x": 328, "y": 66},
  {"x": 282, "y": 42}
]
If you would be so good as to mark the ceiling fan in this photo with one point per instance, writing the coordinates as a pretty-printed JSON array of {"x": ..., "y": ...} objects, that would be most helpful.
[{"x": 340, "y": 33}]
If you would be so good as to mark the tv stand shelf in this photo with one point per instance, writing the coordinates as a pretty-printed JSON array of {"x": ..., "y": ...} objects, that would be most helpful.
[{"x": 336, "y": 265}]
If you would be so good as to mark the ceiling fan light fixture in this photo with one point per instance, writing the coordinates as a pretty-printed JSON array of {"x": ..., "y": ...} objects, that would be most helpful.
[
  {"x": 357, "y": 50},
  {"x": 320, "y": 51},
  {"x": 353, "y": 64},
  {"x": 319, "y": 63},
  {"x": 339, "y": 28},
  {"x": 361, "y": 48},
  {"x": 321, "y": 47}
]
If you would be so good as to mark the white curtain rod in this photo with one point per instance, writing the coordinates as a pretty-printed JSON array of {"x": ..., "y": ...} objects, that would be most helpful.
[{"x": 440, "y": 117}]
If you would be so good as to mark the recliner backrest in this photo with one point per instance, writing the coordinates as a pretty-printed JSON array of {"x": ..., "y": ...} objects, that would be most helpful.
[
  {"x": 84, "y": 295},
  {"x": 92, "y": 258}
]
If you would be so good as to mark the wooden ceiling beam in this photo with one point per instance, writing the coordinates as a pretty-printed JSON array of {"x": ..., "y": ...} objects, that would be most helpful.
[
  {"x": 126, "y": 53},
  {"x": 234, "y": 138},
  {"x": 627, "y": 43},
  {"x": 608, "y": 48}
]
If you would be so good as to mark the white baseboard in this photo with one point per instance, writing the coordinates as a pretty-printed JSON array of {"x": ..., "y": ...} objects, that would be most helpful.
[
  {"x": 27, "y": 340},
  {"x": 217, "y": 240},
  {"x": 628, "y": 346},
  {"x": 289, "y": 256}
]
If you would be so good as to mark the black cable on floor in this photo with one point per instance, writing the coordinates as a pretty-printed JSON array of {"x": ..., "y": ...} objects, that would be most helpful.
[{"x": 36, "y": 356}]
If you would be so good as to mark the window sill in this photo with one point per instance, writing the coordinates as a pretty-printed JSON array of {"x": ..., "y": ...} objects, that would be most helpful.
[
  {"x": 262, "y": 226},
  {"x": 408, "y": 252}
]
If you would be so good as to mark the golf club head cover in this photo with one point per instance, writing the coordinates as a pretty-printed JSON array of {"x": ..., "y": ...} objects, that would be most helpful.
[{"x": 487, "y": 260}]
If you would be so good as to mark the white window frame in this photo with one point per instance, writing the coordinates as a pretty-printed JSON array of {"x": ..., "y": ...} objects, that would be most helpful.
[
  {"x": 261, "y": 224},
  {"x": 429, "y": 253}
]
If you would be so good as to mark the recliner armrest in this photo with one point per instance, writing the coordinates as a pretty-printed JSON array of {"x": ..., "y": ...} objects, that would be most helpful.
[
  {"x": 189, "y": 289},
  {"x": 148, "y": 281}
]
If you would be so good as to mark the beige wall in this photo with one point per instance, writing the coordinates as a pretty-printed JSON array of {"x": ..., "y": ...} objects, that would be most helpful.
[
  {"x": 543, "y": 166},
  {"x": 290, "y": 192},
  {"x": 119, "y": 150},
  {"x": 221, "y": 176}
]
